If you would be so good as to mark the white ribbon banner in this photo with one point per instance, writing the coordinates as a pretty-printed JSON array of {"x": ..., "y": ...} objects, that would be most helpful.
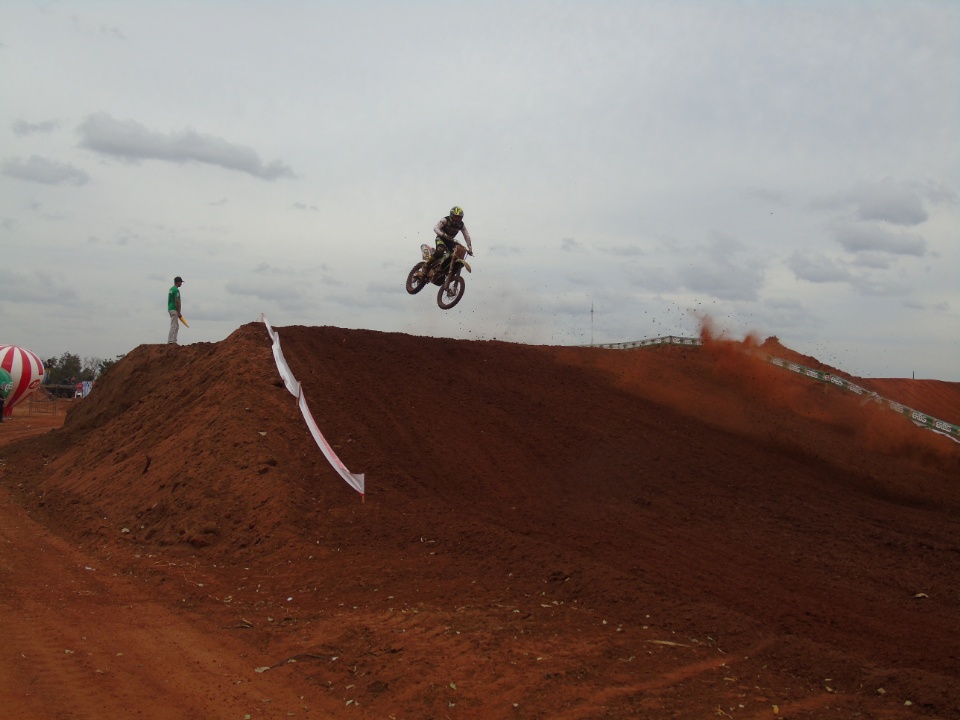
[{"x": 354, "y": 480}]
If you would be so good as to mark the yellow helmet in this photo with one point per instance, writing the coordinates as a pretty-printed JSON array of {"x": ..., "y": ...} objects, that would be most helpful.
[{"x": 456, "y": 211}]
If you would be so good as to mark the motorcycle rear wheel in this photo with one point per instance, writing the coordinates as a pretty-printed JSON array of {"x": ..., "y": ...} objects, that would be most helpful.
[
  {"x": 416, "y": 283},
  {"x": 451, "y": 294}
]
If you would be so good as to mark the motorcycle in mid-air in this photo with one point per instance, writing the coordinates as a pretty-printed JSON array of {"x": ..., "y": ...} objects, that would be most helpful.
[{"x": 445, "y": 273}]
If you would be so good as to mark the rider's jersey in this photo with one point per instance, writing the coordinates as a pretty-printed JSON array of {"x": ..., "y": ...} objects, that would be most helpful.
[{"x": 448, "y": 228}]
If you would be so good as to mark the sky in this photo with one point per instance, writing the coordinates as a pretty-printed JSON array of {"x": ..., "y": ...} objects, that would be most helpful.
[{"x": 627, "y": 168}]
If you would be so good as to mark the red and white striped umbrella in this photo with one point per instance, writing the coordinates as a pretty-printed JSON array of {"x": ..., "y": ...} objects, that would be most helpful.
[{"x": 25, "y": 368}]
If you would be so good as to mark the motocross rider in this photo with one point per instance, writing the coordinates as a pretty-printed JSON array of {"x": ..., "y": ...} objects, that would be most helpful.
[{"x": 446, "y": 231}]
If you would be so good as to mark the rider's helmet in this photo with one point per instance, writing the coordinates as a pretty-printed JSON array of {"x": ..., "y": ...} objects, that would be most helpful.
[{"x": 456, "y": 211}]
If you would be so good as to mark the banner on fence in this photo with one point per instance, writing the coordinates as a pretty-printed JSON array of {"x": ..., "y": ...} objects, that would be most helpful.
[
  {"x": 922, "y": 419},
  {"x": 666, "y": 340}
]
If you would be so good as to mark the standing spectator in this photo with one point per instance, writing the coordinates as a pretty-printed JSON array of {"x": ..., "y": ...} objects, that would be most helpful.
[{"x": 173, "y": 307}]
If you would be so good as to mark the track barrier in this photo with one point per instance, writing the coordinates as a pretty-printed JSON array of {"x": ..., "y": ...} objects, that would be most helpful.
[
  {"x": 354, "y": 480},
  {"x": 918, "y": 418},
  {"x": 666, "y": 340}
]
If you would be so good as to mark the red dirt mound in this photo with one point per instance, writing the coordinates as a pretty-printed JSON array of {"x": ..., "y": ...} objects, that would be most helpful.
[{"x": 547, "y": 533}]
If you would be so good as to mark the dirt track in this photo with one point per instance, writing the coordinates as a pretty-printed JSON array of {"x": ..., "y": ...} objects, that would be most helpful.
[{"x": 665, "y": 533}]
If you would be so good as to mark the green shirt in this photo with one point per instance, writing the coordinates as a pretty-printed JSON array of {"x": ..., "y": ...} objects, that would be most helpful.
[{"x": 173, "y": 298}]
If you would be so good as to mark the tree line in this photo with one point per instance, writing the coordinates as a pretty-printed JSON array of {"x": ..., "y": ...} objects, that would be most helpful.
[{"x": 69, "y": 368}]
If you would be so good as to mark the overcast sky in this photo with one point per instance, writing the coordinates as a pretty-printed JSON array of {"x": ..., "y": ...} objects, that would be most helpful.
[{"x": 788, "y": 168}]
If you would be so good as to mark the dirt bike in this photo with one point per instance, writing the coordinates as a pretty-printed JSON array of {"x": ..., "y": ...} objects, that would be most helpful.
[{"x": 445, "y": 272}]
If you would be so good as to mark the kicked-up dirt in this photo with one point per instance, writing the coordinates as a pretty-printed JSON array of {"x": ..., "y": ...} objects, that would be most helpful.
[{"x": 562, "y": 533}]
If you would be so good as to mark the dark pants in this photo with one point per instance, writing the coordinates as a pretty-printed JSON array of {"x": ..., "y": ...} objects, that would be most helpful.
[{"x": 442, "y": 247}]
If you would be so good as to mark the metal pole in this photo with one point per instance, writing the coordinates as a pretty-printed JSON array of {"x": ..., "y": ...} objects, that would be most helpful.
[{"x": 591, "y": 323}]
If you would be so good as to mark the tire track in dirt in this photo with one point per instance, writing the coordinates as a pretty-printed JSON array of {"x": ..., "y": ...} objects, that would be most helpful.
[
  {"x": 94, "y": 646},
  {"x": 41, "y": 642}
]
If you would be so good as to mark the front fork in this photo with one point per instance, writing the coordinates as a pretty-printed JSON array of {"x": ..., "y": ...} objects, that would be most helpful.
[{"x": 451, "y": 271}]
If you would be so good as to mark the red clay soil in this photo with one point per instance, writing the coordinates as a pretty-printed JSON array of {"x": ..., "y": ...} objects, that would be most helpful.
[{"x": 563, "y": 533}]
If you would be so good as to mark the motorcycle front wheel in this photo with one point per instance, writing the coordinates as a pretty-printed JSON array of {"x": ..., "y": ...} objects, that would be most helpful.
[
  {"x": 451, "y": 294},
  {"x": 416, "y": 283}
]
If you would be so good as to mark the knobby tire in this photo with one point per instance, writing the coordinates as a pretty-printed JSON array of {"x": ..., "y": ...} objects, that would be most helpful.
[
  {"x": 447, "y": 300},
  {"x": 415, "y": 283}
]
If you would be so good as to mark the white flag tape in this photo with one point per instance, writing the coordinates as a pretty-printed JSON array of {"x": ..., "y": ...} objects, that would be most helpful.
[{"x": 354, "y": 480}]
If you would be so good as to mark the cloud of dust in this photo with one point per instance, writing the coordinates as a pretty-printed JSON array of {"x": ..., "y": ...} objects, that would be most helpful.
[{"x": 741, "y": 365}]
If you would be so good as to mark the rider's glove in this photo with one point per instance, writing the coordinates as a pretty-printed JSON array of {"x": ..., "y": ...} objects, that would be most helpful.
[{"x": 470, "y": 253}]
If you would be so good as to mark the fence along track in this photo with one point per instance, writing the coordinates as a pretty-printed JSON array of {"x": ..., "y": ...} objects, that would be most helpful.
[{"x": 941, "y": 427}]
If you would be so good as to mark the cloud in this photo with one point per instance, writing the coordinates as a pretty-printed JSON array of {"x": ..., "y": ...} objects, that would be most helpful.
[
  {"x": 268, "y": 269},
  {"x": 505, "y": 250},
  {"x": 940, "y": 307},
  {"x": 888, "y": 201},
  {"x": 937, "y": 192},
  {"x": 882, "y": 286},
  {"x": 47, "y": 172},
  {"x": 723, "y": 269},
  {"x": 21, "y": 127},
  {"x": 869, "y": 238},
  {"x": 817, "y": 268},
  {"x": 281, "y": 291},
  {"x": 653, "y": 278},
  {"x": 582, "y": 277},
  {"x": 785, "y": 312},
  {"x": 726, "y": 282},
  {"x": 874, "y": 261},
  {"x": 130, "y": 140},
  {"x": 36, "y": 287},
  {"x": 112, "y": 31},
  {"x": 624, "y": 250},
  {"x": 769, "y": 196}
]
